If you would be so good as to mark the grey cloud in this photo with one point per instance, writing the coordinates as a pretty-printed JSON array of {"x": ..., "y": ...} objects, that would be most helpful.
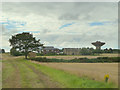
[
  {"x": 6, "y": 32},
  {"x": 44, "y": 31},
  {"x": 87, "y": 11},
  {"x": 68, "y": 16},
  {"x": 64, "y": 12},
  {"x": 81, "y": 40}
]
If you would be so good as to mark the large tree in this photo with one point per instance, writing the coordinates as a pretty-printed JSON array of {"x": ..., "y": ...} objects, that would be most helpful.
[{"x": 25, "y": 43}]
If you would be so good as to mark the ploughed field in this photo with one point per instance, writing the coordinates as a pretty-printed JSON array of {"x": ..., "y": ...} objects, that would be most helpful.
[
  {"x": 69, "y": 57},
  {"x": 20, "y": 73}
]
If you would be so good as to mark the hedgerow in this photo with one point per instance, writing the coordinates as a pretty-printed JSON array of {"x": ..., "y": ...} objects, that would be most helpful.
[{"x": 79, "y": 60}]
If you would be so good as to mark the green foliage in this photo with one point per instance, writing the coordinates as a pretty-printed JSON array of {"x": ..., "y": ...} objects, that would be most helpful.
[
  {"x": 25, "y": 42},
  {"x": 49, "y": 54},
  {"x": 2, "y": 50},
  {"x": 14, "y": 52},
  {"x": 91, "y": 51},
  {"x": 39, "y": 54},
  {"x": 110, "y": 50},
  {"x": 86, "y": 51},
  {"x": 98, "y": 51},
  {"x": 79, "y": 60}
]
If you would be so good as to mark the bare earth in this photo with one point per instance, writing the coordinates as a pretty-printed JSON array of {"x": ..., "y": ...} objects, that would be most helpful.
[
  {"x": 94, "y": 71},
  {"x": 80, "y": 56}
]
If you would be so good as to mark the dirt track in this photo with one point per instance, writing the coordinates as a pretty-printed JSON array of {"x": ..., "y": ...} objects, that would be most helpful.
[{"x": 18, "y": 78}]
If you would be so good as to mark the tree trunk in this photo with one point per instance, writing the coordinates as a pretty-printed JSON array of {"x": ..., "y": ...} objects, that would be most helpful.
[
  {"x": 26, "y": 53},
  {"x": 25, "y": 56}
]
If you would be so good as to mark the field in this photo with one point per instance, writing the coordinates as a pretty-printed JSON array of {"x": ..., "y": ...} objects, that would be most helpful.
[
  {"x": 20, "y": 73},
  {"x": 68, "y": 57},
  {"x": 95, "y": 71}
]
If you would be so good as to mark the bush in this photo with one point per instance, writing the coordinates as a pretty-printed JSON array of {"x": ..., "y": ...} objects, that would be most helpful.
[
  {"x": 32, "y": 55},
  {"x": 39, "y": 54},
  {"x": 14, "y": 52},
  {"x": 79, "y": 60},
  {"x": 102, "y": 57},
  {"x": 85, "y": 51}
]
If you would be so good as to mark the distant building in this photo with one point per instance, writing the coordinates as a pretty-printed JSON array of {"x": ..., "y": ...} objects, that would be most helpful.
[
  {"x": 98, "y": 44},
  {"x": 71, "y": 51},
  {"x": 50, "y": 49}
]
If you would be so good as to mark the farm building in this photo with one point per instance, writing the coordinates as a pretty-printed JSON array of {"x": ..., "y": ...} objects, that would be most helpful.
[
  {"x": 78, "y": 51},
  {"x": 71, "y": 51},
  {"x": 50, "y": 49}
]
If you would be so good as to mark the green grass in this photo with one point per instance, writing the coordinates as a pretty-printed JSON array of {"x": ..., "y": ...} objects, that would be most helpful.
[
  {"x": 69, "y": 80},
  {"x": 25, "y": 74},
  {"x": 29, "y": 79},
  {"x": 0, "y": 75},
  {"x": 7, "y": 71}
]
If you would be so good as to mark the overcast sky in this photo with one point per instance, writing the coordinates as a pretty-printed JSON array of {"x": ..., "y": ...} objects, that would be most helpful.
[{"x": 62, "y": 25}]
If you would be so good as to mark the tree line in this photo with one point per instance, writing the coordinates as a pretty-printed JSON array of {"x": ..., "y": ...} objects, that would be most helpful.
[{"x": 23, "y": 43}]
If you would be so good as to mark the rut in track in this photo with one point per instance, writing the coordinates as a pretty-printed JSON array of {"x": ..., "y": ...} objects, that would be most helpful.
[
  {"x": 13, "y": 81},
  {"x": 47, "y": 82}
]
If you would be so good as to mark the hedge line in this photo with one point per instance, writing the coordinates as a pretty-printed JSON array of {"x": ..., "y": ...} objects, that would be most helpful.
[{"x": 79, "y": 60}]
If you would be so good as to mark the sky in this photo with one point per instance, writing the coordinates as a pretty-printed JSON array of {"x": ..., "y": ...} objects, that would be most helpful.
[{"x": 61, "y": 24}]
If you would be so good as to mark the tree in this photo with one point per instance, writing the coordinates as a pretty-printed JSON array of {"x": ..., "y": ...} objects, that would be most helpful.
[
  {"x": 25, "y": 43},
  {"x": 2, "y": 50},
  {"x": 86, "y": 51},
  {"x": 14, "y": 52}
]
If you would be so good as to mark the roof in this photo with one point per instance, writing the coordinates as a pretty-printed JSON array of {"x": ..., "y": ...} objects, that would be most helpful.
[
  {"x": 48, "y": 47},
  {"x": 98, "y": 43}
]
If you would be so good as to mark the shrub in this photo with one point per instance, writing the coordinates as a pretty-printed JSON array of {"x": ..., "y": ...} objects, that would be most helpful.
[
  {"x": 14, "y": 52},
  {"x": 79, "y": 60},
  {"x": 32, "y": 55},
  {"x": 40, "y": 54}
]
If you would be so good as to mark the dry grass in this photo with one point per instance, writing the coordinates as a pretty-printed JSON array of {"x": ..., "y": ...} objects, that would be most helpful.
[
  {"x": 94, "y": 71},
  {"x": 81, "y": 56}
]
